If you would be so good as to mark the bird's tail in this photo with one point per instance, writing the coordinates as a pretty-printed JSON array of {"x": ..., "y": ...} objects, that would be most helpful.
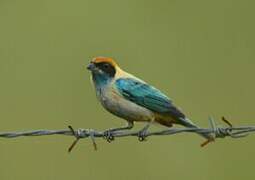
[{"x": 188, "y": 123}]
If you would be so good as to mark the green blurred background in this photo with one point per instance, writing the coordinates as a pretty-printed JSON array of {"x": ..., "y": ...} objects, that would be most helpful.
[{"x": 200, "y": 53}]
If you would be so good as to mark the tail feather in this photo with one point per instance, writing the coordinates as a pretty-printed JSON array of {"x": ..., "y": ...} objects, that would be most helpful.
[{"x": 188, "y": 123}]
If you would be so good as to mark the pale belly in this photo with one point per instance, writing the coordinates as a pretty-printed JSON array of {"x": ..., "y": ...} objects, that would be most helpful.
[{"x": 123, "y": 108}]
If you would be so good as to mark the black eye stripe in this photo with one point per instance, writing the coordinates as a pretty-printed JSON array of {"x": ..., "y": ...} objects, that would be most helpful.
[
  {"x": 103, "y": 65},
  {"x": 106, "y": 68}
]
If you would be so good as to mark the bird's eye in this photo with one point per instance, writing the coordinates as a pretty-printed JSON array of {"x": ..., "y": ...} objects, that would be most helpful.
[{"x": 106, "y": 66}]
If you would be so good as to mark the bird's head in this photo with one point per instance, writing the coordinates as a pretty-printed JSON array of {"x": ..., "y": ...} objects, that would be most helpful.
[{"x": 103, "y": 68}]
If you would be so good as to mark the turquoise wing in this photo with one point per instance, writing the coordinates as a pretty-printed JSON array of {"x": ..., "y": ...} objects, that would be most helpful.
[{"x": 147, "y": 96}]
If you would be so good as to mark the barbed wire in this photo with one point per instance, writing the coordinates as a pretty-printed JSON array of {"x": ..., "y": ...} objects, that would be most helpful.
[{"x": 214, "y": 130}]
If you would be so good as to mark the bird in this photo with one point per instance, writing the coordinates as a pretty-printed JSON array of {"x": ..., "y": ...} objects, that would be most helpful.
[{"x": 132, "y": 99}]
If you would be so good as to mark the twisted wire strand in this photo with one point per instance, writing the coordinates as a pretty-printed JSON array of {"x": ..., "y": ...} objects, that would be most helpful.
[{"x": 216, "y": 131}]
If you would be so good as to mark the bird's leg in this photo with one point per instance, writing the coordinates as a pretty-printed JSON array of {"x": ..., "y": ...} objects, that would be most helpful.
[
  {"x": 142, "y": 133},
  {"x": 108, "y": 134}
]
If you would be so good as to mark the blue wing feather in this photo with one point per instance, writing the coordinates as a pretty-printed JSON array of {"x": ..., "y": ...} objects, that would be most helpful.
[{"x": 147, "y": 96}]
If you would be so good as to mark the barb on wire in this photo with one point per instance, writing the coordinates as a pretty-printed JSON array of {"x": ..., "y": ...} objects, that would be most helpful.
[{"x": 214, "y": 130}]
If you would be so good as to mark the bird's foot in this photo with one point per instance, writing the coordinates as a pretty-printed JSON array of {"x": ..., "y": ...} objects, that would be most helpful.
[
  {"x": 142, "y": 134},
  {"x": 108, "y": 135}
]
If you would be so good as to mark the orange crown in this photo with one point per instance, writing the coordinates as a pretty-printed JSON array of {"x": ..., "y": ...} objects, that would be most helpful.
[{"x": 104, "y": 59}]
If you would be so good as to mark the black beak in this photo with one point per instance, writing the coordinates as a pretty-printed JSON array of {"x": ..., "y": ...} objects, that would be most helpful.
[{"x": 91, "y": 66}]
